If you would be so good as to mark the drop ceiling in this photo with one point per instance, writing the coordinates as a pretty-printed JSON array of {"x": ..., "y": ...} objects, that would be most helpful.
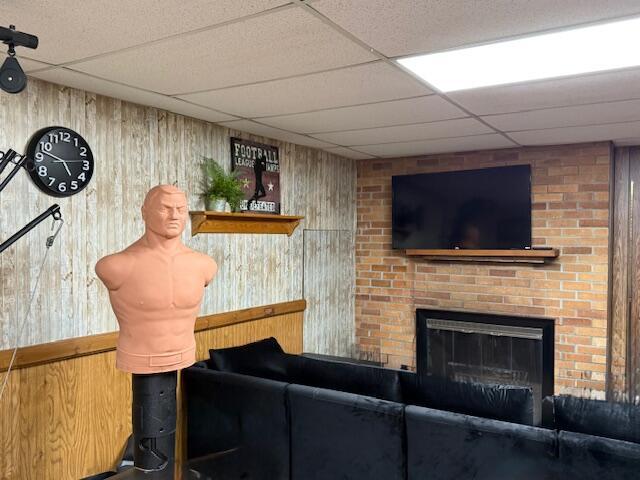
[{"x": 321, "y": 72}]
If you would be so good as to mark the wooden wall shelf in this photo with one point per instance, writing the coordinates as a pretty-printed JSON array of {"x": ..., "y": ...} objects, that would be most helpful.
[
  {"x": 223, "y": 222},
  {"x": 497, "y": 256}
]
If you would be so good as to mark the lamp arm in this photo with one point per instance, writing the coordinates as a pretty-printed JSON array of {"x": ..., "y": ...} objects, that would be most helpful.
[
  {"x": 53, "y": 210},
  {"x": 14, "y": 157}
]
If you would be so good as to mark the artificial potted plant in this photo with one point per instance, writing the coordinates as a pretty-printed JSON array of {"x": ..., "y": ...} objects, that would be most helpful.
[{"x": 220, "y": 187}]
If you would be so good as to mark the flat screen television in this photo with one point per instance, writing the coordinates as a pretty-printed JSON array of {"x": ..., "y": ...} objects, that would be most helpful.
[{"x": 489, "y": 208}]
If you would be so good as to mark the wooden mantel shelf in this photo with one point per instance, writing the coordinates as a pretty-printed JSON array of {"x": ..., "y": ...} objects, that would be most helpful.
[
  {"x": 223, "y": 222},
  {"x": 500, "y": 256}
]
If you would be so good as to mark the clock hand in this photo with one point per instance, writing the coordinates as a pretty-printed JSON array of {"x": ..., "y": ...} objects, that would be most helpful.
[
  {"x": 58, "y": 161},
  {"x": 72, "y": 161},
  {"x": 52, "y": 155}
]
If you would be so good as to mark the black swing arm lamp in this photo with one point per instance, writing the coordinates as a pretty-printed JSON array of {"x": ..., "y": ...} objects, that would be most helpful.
[
  {"x": 11, "y": 156},
  {"x": 12, "y": 77}
]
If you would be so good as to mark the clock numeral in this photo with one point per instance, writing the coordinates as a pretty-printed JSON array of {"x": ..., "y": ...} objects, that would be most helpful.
[
  {"x": 85, "y": 165},
  {"x": 74, "y": 185},
  {"x": 52, "y": 181},
  {"x": 62, "y": 187},
  {"x": 46, "y": 146},
  {"x": 39, "y": 157},
  {"x": 53, "y": 137},
  {"x": 75, "y": 141},
  {"x": 66, "y": 136},
  {"x": 42, "y": 171},
  {"x": 82, "y": 177},
  {"x": 83, "y": 151}
]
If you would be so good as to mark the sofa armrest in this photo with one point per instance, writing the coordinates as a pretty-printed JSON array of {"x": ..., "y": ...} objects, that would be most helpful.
[{"x": 226, "y": 411}]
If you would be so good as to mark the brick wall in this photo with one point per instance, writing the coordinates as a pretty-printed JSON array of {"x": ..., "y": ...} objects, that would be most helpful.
[{"x": 570, "y": 203}]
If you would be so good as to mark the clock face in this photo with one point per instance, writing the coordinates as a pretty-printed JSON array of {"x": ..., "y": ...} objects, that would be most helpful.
[{"x": 60, "y": 161}]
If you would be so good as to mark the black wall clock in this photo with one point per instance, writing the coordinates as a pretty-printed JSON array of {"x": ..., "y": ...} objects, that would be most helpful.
[{"x": 60, "y": 161}]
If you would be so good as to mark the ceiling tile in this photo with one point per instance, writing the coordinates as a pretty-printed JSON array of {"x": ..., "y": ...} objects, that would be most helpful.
[
  {"x": 371, "y": 82},
  {"x": 626, "y": 142},
  {"x": 592, "y": 133},
  {"x": 29, "y": 65},
  {"x": 443, "y": 145},
  {"x": 405, "y": 133},
  {"x": 398, "y": 112},
  {"x": 592, "y": 114},
  {"x": 81, "y": 81},
  {"x": 417, "y": 26},
  {"x": 280, "y": 44},
  {"x": 347, "y": 152},
  {"x": 70, "y": 30},
  {"x": 266, "y": 131},
  {"x": 601, "y": 87}
]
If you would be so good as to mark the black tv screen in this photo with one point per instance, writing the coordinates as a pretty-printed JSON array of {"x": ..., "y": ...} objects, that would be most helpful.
[{"x": 488, "y": 208}]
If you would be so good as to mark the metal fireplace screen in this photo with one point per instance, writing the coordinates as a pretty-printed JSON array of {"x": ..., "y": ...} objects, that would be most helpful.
[{"x": 483, "y": 348}]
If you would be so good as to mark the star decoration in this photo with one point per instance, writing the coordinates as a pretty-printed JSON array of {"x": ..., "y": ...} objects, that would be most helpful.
[
  {"x": 245, "y": 182},
  {"x": 270, "y": 185}
]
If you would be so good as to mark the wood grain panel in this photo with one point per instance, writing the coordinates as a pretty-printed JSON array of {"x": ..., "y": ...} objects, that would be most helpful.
[
  {"x": 633, "y": 329},
  {"x": 329, "y": 288},
  {"x": 220, "y": 222},
  {"x": 69, "y": 418},
  {"x": 624, "y": 322},
  {"x": 618, "y": 291},
  {"x": 76, "y": 347},
  {"x": 137, "y": 147}
]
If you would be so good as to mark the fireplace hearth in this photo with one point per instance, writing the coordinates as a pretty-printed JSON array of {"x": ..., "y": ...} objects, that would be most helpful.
[{"x": 487, "y": 348}]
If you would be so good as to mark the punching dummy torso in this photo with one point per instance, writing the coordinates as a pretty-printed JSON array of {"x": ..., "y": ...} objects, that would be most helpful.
[{"x": 156, "y": 287}]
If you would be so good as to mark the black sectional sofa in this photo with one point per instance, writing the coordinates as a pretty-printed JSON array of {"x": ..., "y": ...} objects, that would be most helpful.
[{"x": 254, "y": 412}]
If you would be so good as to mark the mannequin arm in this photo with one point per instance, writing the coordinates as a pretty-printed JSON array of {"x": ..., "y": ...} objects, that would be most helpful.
[
  {"x": 210, "y": 270},
  {"x": 114, "y": 269}
]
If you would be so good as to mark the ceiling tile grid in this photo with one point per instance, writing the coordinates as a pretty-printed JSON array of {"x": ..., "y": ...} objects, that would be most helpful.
[
  {"x": 322, "y": 73},
  {"x": 371, "y": 82},
  {"x": 406, "y": 133},
  {"x": 397, "y": 112},
  {"x": 280, "y": 44},
  {"x": 278, "y": 134},
  {"x": 88, "y": 83},
  {"x": 457, "y": 144},
  {"x": 405, "y": 27},
  {"x": 70, "y": 30}
]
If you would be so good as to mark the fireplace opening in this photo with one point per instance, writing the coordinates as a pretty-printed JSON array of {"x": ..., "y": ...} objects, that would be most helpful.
[{"x": 486, "y": 348}]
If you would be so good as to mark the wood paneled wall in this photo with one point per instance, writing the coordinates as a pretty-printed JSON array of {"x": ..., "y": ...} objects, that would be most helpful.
[
  {"x": 329, "y": 289},
  {"x": 135, "y": 148},
  {"x": 624, "y": 323},
  {"x": 67, "y": 419}
]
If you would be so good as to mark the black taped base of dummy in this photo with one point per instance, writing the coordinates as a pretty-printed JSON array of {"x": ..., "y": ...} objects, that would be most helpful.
[{"x": 153, "y": 415}]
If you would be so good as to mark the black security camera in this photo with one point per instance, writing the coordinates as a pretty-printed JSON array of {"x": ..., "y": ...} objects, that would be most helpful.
[{"x": 12, "y": 77}]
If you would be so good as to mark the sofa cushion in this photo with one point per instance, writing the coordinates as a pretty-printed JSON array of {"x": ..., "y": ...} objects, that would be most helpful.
[
  {"x": 337, "y": 435},
  {"x": 375, "y": 382},
  {"x": 588, "y": 457},
  {"x": 499, "y": 402},
  {"x": 444, "y": 445},
  {"x": 227, "y": 411},
  {"x": 264, "y": 358},
  {"x": 596, "y": 417}
]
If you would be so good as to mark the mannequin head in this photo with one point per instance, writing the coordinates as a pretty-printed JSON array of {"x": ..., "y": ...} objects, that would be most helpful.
[{"x": 165, "y": 211}]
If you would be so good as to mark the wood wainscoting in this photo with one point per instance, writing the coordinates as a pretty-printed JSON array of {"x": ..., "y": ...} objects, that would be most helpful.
[{"x": 66, "y": 411}]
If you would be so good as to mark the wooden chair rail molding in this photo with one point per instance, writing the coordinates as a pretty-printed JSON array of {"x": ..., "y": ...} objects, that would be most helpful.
[
  {"x": 221, "y": 222},
  {"x": 499, "y": 256},
  {"x": 104, "y": 342}
]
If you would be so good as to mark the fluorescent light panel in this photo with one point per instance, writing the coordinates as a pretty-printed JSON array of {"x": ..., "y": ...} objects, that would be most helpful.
[{"x": 589, "y": 49}]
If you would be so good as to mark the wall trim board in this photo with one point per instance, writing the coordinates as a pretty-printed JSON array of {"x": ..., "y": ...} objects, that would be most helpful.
[{"x": 104, "y": 342}]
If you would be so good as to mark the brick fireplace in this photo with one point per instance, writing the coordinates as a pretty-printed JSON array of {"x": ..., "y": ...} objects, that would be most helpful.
[{"x": 570, "y": 202}]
